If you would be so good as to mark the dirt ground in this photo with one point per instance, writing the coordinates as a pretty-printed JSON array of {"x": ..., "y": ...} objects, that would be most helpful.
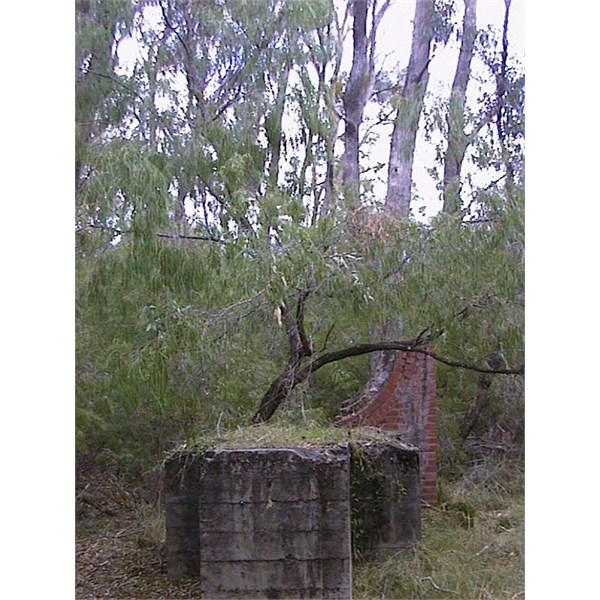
[{"x": 119, "y": 544}]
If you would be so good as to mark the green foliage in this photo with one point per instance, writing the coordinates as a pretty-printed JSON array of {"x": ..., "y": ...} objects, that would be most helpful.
[
  {"x": 167, "y": 347},
  {"x": 187, "y": 245}
]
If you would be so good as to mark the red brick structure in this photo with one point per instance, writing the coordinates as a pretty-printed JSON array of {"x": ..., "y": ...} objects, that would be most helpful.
[{"x": 406, "y": 404}]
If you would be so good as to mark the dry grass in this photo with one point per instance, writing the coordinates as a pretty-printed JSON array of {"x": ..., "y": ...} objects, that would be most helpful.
[
  {"x": 120, "y": 545},
  {"x": 282, "y": 436},
  {"x": 472, "y": 548}
]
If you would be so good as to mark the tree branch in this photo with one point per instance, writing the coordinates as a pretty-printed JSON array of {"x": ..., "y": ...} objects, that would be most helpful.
[
  {"x": 360, "y": 349},
  {"x": 177, "y": 236},
  {"x": 293, "y": 375},
  {"x": 116, "y": 80},
  {"x": 204, "y": 238}
]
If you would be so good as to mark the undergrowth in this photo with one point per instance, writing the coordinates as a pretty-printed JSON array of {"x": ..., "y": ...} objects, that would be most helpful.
[{"x": 472, "y": 545}]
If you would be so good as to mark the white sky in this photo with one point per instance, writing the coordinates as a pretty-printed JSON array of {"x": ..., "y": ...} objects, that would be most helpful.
[{"x": 394, "y": 41}]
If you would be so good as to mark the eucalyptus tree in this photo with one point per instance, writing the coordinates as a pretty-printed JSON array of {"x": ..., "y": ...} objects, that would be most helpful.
[
  {"x": 402, "y": 145},
  {"x": 492, "y": 129},
  {"x": 457, "y": 141},
  {"x": 360, "y": 85},
  {"x": 101, "y": 97},
  {"x": 509, "y": 116},
  {"x": 432, "y": 24},
  {"x": 221, "y": 266},
  {"x": 193, "y": 154},
  {"x": 208, "y": 97}
]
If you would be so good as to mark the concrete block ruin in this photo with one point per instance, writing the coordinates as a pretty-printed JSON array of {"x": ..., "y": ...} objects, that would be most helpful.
[
  {"x": 385, "y": 499},
  {"x": 285, "y": 522}
]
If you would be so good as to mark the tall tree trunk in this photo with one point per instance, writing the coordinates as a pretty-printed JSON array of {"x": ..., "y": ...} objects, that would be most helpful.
[
  {"x": 355, "y": 97},
  {"x": 404, "y": 135},
  {"x": 457, "y": 138},
  {"x": 501, "y": 91}
]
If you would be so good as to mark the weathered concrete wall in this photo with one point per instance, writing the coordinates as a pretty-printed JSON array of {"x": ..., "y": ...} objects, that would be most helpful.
[
  {"x": 276, "y": 522},
  {"x": 182, "y": 516},
  {"x": 385, "y": 499},
  {"x": 261, "y": 523}
]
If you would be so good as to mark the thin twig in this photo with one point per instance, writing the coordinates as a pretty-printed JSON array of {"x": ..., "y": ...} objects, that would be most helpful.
[
  {"x": 435, "y": 586},
  {"x": 204, "y": 238},
  {"x": 98, "y": 566},
  {"x": 117, "y": 81},
  {"x": 327, "y": 337}
]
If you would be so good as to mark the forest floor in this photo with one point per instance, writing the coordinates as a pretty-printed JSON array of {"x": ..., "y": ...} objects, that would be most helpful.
[
  {"x": 119, "y": 544},
  {"x": 472, "y": 546}
]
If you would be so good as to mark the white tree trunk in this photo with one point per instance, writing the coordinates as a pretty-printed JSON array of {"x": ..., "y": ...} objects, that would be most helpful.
[{"x": 404, "y": 135}]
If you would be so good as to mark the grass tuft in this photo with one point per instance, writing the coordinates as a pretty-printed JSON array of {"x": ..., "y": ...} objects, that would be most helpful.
[
  {"x": 472, "y": 548},
  {"x": 281, "y": 436}
]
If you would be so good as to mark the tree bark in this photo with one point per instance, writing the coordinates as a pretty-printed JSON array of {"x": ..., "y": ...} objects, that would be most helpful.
[
  {"x": 469, "y": 420},
  {"x": 501, "y": 91},
  {"x": 402, "y": 146},
  {"x": 457, "y": 138},
  {"x": 355, "y": 97},
  {"x": 359, "y": 89}
]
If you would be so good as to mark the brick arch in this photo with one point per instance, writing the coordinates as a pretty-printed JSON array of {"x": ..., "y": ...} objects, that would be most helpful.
[{"x": 407, "y": 405}]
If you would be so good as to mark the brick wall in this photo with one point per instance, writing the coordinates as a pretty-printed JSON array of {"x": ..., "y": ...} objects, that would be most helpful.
[{"x": 406, "y": 404}]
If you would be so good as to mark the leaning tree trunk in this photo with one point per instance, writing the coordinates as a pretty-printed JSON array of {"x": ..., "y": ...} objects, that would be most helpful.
[
  {"x": 457, "y": 138},
  {"x": 404, "y": 135},
  {"x": 494, "y": 361}
]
